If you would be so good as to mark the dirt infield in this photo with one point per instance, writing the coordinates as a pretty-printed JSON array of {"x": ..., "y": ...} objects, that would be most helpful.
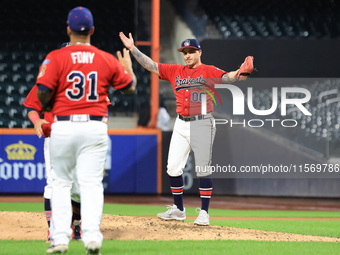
[{"x": 32, "y": 226}]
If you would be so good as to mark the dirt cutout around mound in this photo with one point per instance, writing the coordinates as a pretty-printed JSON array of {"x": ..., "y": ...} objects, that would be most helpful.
[{"x": 32, "y": 226}]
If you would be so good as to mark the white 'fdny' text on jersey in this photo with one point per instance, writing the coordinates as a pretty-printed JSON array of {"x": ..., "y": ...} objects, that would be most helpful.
[{"x": 82, "y": 57}]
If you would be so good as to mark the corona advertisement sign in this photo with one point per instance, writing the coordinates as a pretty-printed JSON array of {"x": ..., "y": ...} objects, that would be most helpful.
[{"x": 22, "y": 165}]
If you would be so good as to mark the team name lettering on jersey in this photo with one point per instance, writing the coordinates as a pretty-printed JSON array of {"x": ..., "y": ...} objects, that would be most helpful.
[
  {"x": 189, "y": 82},
  {"x": 82, "y": 57}
]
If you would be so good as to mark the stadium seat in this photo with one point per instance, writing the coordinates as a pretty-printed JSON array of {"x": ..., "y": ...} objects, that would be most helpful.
[{"x": 272, "y": 18}]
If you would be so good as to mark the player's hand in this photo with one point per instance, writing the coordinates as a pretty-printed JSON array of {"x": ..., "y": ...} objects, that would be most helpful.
[
  {"x": 128, "y": 42},
  {"x": 125, "y": 59},
  {"x": 38, "y": 126}
]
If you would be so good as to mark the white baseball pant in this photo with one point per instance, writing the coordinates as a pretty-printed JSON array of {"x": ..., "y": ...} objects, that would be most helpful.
[
  {"x": 75, "y": 192},
  {"x": 81, "y": 147},
  {"x": 197, "y": 135}
]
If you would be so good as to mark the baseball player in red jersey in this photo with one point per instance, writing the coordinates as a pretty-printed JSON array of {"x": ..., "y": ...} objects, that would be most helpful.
[
  {"x": 73, "y": 83},
  {"x": 188, "y": 82},
  {"x": 43, "y": 127}
]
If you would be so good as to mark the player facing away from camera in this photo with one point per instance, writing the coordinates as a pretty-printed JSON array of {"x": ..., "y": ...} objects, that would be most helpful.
[
  {"x": 42, "y": 127},
  {"x": 73, "y": 84},
  {"x": 188, "y": 81}
]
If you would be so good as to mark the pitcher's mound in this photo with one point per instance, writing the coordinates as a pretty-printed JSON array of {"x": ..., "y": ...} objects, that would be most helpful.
[{"x": 33, "y": 226}]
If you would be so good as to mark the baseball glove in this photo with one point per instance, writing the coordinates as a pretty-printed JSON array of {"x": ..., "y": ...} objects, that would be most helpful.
[{"x": 246, "y": 68}]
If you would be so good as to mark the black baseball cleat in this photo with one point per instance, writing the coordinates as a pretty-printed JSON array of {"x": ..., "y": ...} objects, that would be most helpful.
[{"x": 76, "y": 231}]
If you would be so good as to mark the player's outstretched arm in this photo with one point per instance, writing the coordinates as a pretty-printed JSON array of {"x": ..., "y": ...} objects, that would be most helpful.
[
  {"x": 37, "y": 122},
  {"x": 142, "y": 59},
  {"x": 125, "y": 60},
  {"x": 242, "y": 73},
  {"x": 230, "y": 77}
]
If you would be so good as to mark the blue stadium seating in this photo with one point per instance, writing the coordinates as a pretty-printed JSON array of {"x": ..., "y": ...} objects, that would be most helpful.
[
  {"x": 267, "y": 18},
  {"x": 24, "y": 45}
]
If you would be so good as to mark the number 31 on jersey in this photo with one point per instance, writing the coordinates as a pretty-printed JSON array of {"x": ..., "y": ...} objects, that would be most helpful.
[{"x": 80, "y": 83}]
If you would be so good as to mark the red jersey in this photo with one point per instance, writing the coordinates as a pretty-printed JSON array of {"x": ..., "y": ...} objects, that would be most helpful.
[
  {"x": 189, "y": 84},
  {"x": 79, "y": 76},
  {"x": 32, "y": 101}
]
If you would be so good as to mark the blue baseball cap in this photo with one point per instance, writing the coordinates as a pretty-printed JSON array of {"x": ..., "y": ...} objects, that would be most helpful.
[
  {"x": 190, "y": 43},
  {"x": 65, "y": 44},
  {"x": 80, "y": 19}
]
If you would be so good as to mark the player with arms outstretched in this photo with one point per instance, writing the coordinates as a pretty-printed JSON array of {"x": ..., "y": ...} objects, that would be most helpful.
[
  {"x": 188, "y": 81},
  {"x": 73, "y": 84}
]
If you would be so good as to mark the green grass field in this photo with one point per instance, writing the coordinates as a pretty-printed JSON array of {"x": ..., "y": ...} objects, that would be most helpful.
[{"x": 329, "y": 228}]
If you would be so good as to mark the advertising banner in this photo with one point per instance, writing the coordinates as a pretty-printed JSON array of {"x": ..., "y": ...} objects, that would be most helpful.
[
  {"x": 22, "y": 165},
  {"x": 130, "y": 167}
]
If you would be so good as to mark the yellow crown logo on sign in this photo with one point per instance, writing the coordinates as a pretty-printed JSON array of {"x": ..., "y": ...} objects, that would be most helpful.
[{"x": 20, "y": 151}]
